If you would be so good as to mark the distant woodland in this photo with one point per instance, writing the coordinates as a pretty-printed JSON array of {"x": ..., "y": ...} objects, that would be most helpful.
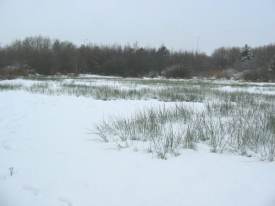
[{"x": 40, "y": 55}]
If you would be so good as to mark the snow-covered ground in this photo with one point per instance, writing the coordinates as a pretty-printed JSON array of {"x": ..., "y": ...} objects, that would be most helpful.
[
  {"x": 269, "y": 90},
  {"x": 49, "y": 156},
  {"x": 126, "y": 83}
]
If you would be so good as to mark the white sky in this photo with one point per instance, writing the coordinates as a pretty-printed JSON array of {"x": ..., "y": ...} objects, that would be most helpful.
[{"x": 179, "y": 24}]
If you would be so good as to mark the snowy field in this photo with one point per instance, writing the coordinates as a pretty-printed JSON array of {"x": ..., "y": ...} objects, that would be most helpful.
[{"x": 72, "y": 141}]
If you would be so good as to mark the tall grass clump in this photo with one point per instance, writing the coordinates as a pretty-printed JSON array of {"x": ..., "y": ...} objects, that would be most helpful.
[
  {"x": 239, "y": 126},
  {"x": 41, "y": 88},
  {"x": 243, "y": 128},
  {"x": 163, "y": 130}
]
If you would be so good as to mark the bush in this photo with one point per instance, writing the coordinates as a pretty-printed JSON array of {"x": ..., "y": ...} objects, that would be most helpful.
[
  {"x": 176, "y": 71},
  {"x": 13, "y": 71}
]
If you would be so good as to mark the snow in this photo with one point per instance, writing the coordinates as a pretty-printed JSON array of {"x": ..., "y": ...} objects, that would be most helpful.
[
  {"x": 268, "y": 90},
  {"x": 24, "y": 82},
  {"x": 87, "y": 81},
  {"x": 115, "y": 82},
  {"x": 56, "y": 159}
]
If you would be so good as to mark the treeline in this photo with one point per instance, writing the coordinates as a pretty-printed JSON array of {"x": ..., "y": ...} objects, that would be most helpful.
[{"x": 45, "y": 56}]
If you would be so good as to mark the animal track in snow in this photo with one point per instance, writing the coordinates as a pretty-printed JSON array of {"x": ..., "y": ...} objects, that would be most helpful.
[
  {"x": 65, "y": 201},
  {"x": 31, "y": 189},
  {"x": 6, "y": 145}
]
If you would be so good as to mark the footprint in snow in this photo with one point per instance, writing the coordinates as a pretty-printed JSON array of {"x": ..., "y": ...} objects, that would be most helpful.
[
  {"x": 31, "y": 189},
  {"x": 65, "y": 201},
  {"x": 6, "y": 146}
]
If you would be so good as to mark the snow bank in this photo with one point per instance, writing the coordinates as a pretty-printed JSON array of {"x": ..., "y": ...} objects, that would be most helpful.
[{"x": 47, "y": 142}]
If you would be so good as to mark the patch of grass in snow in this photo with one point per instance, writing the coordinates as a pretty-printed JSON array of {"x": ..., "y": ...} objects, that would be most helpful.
[
  {"x": 103, "y": 92},
  {"x": 41, "y": 88},
  {"x": 246, "y": 129},
  {"x": 156, "y": 127},
  {"x": 116, "y": 92},
  {"x": 235, "y": 121},
  {"x": 241, "y": 128},
  {"x": 4, "y": 87},
  {"x": 133, "y": 88},
  {"x": 48, "y": 78}
]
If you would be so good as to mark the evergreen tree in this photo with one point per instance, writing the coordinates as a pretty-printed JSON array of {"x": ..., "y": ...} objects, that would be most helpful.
[
  {"x": 247, "y": 61},
  {"x": 246, "y": 54}
]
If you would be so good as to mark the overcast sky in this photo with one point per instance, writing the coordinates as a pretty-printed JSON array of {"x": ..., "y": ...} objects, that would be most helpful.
[{"x": 179, "y": 24}]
